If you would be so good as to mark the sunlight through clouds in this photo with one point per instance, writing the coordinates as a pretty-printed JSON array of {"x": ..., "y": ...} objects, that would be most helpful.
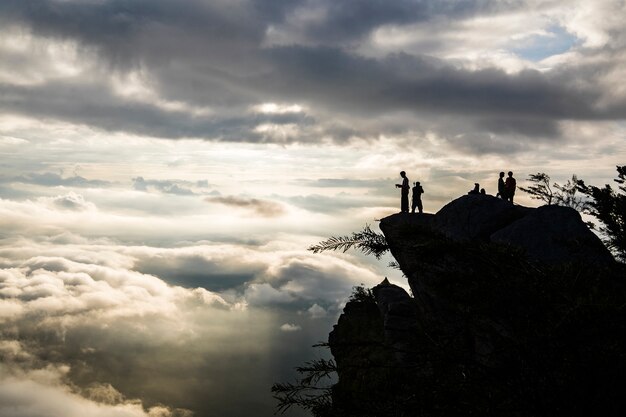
[
  {"x": 84, "y": 305},
  {"x": 165, "y": 167},
  {"x": 278, "y": 108}
]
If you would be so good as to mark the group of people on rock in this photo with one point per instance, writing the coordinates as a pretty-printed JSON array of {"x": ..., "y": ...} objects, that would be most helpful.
[
  {"x": 416, "y": 201},
  {"x": 506, "y": 188},
  {"x": 476, "y": 191},
  {"x": 506, "y": 191}
]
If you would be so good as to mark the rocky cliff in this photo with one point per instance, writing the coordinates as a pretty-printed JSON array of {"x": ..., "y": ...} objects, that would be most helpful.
[{"x": 515, "y": 312}]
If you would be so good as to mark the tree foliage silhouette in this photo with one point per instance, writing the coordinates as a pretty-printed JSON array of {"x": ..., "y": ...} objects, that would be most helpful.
[
  {"x": 609, "y": 207},
  {"x": 366, "y": 240},
  {"x": 540, "y": 188},
  {"x": 313, "y": 390},
  {"x": 561, "y": 195},
  {"x": 307, "y": 392},
  {"x": 606, "y": 204}
]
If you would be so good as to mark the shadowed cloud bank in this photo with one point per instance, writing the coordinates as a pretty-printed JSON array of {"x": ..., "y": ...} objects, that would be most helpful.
[{"x": 344, "y": 63}]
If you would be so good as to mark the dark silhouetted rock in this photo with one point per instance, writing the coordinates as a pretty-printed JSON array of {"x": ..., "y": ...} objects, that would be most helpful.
[
  {"x": 476, "y": 216},
  {"x": 357, "y": 344},
  {"x": 401, "y": 228},
  {"x": 399, "y": 319},
  {"x": 554, "y": 234},
  {"x": 547, "y": 234},
  {"x": 387, "y": 295},
  {"x": 515, "y": 312}
]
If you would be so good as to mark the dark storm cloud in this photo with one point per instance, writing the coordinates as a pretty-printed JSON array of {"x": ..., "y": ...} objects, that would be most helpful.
[
  {"x": 94, "y": 105},
  {"x": 195, "y": 270},
  {"x": 264, "y": 208},
  {"x": 349, "y": 20},
  {"x": 117, "y": 27},
  {"x": 214, "y": 55},
  {"x": 111, "y": 24},
  {"x": 404, "y": 82},
  {"x": 338, "y": 80}
]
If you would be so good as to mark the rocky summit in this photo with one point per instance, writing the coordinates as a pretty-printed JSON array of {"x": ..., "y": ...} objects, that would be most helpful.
[{"x": 514, "y": 311}]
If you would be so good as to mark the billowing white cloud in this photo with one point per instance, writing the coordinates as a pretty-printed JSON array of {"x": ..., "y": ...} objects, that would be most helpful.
[
  {"x": 316, "y": 311},
  {"x": 91, "y": 319},
  {"x": 263, "y": 294},
  {"x": 289, "y": 327},
  {"x": 83, "y": 310},
  {"x": 43, "y": 393}
]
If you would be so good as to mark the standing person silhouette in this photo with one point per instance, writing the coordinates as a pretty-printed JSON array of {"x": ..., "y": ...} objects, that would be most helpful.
[
  {"x": 417, "y": 198},
  {"x": 510, "y": 185},
  {"x": 501, "y": 187},
  {"x": 405, "y": 188}
]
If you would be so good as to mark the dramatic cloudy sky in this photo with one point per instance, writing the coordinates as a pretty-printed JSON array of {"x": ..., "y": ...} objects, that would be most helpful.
[{"x": 165, "y": 164}]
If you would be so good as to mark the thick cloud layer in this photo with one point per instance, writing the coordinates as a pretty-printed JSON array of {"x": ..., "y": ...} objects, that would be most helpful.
[
  {"x": 94, "y": 324},
  {"x": 100, "y": 325},
  {"x": 87, "y": 327},
  {"x": 158, "y": 69}
]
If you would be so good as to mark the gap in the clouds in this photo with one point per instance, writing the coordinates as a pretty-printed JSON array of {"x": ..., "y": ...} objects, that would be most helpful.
[{"x": 555, "y": 41}]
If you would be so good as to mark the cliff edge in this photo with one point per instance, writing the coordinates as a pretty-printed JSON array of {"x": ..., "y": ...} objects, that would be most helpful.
[{"x": 515, "y": 312}]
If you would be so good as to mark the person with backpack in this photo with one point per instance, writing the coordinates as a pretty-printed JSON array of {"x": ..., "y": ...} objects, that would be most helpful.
[{"x": 417, "y": 198}]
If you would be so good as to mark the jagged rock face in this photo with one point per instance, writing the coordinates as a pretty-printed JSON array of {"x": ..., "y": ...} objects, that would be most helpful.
[
  {"x": 518, "y": 315},
  {"x": 388, "y": 296},
  {"x": 373, "y": 344},
  {"x": 399, "y": 316},
  {"x": 357, "y": 343}
]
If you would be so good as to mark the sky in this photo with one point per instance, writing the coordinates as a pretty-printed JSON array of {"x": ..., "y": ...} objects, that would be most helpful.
[{"x": 165, "y": 165}]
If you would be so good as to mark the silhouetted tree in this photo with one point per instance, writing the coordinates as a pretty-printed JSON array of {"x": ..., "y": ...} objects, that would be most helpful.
[
  {"x": 561, "y": 195},
  {"x": 566, "y": 195},
  {"x": 367, "y": 241},
  {"x": 307, "y": 392},
  {"x": 360, "y": 294},
  {"x": 540, "y": 188},
  {"x": 609, "y": 206}
]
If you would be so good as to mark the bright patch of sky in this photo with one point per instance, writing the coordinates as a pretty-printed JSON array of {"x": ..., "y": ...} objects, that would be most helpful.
[{"x": 555, "y": 41}]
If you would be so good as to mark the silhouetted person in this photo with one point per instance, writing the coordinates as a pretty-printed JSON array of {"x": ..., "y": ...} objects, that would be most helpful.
[
  {"x": 483, "y": 192},
  {"x": 476, "y": 189},
  {"x": 405, "y": 188},
  {"x": 417, "y": 198},
  {"x": 510, "y": 185},
  {"x": 501, "y": 187}
]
